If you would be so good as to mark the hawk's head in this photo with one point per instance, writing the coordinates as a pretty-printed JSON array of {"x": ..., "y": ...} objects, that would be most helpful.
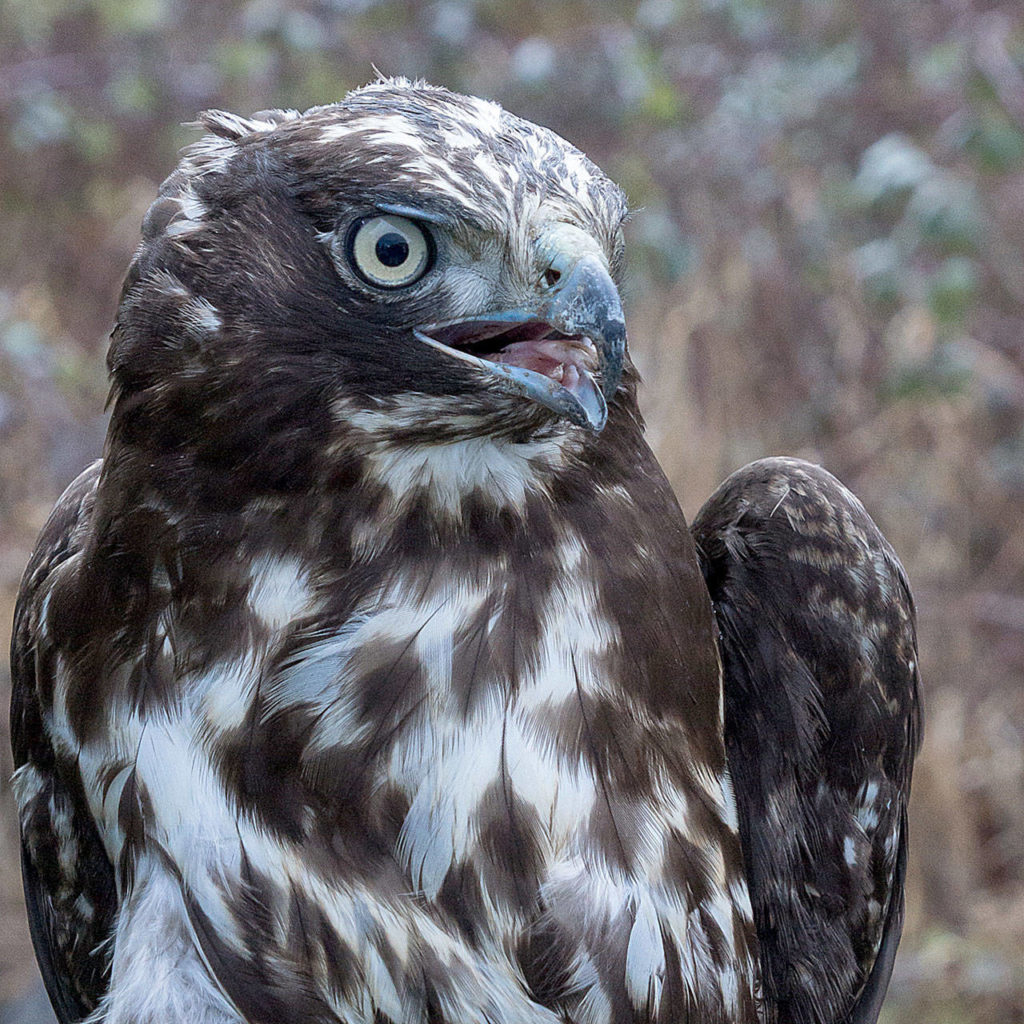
[{"x": 407, "y": 251}]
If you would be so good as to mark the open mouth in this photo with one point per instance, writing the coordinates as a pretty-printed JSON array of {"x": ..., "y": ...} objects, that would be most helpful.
[
  {"x": 533, "y": 345},
  {"x": 565, "y": 351},
  {"x": 530, "y": 357}
]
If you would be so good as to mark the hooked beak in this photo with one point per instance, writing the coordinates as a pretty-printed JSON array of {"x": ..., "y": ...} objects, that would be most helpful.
[{"x": 566, "y": 352}]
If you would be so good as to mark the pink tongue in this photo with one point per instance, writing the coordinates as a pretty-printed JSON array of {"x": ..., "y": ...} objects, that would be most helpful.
[
  {"x": 554, "y": 359},
  {"x": 564, "y": 364}
]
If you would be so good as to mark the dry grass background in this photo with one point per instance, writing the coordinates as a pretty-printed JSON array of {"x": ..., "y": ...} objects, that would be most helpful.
[{"x": 827, "y": 261}]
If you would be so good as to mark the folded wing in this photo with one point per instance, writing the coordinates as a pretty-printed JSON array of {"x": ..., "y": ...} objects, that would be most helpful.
[
  {"x": 69, "y": 882},
  {"x": 822, "y": 723}
]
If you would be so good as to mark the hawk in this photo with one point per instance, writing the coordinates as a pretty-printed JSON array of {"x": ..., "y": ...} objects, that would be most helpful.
[{"x": 373, "y": 674}]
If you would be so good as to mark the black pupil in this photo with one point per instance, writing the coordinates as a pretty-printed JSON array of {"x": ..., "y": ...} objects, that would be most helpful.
[{"x": 392, "y": 249}]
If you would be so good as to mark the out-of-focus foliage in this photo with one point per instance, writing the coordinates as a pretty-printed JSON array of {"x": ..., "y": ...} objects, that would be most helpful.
[{"x": 828, "y": 259}]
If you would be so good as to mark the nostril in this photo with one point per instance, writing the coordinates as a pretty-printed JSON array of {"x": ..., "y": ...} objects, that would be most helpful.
[{"x": 552, "y": 277}]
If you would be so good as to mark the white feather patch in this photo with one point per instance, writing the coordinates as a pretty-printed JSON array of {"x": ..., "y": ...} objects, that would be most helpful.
[
  {"x": 157, "y": 974},
  {"x": 645, "y": 957},
  {"x": 279, "y": 591},
  {"x": 227, "y": 692}
]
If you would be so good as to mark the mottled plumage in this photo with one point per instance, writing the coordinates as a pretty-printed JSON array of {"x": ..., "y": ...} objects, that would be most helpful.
[{"x": 372, "y": 675}]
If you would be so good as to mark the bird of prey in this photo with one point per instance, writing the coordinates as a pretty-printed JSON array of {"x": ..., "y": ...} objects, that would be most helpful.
[{"x": 373, "y": 674}]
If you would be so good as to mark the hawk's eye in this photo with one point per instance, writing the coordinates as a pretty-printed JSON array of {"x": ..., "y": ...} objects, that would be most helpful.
[{"x": 389, "y": 252}]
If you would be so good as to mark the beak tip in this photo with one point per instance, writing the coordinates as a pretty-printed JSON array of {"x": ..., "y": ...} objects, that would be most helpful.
[{"x": 591, "y": 408}]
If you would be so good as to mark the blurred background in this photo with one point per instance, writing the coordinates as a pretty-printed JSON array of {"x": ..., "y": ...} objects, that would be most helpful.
[{"x": 827, "y": 259}]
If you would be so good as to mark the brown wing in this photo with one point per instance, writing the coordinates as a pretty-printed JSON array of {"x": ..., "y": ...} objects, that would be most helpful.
[
  {"x": 69, "y": 883},
  {"x": 822, "y": 723}
]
